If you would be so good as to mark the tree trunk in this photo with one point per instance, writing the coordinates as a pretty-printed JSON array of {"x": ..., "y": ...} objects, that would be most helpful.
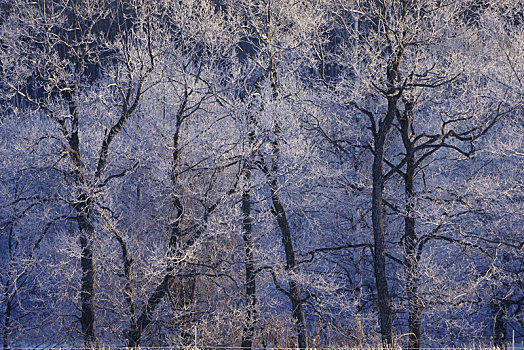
[
  {"x": 294, "y": 289},
  {"x": 298, "y": 314},
  {"x": 410, "y": 262},
  {"x": 136, "y": 329},
  {"x": 146, "y": 317},
  {"x": 250, "y": 317},
  {"x": 410, "y": 255},
  {"x": 83, "y": 210},
  {"x": 247, "y": 235},
  {"x": 126, "y": 261},
  {"x": 379, "y": 261},
  {"x": 377, "y": 215},
  {"x": 87, "y": 293},
  {"x": 7, "y": 287}
]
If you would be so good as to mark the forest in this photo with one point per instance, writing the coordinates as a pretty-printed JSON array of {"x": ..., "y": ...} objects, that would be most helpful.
[{"x": 261, "y": 173}]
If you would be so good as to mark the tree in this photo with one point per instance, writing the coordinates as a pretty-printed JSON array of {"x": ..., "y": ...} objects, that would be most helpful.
[
  {"x": 397, "y": 66},
  {"x": 273, "y": 35},
  {"x": 192, "y": 69},
  {"x": 51, "y": 54}
]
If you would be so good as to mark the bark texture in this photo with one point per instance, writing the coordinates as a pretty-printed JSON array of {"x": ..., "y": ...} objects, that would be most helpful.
[
  {"x": 410, "y": 239},
  {"x": 250, "y": 288}
]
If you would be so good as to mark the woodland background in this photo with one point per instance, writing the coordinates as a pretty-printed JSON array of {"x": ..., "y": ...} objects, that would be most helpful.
[{"x": 305, "y": 173}]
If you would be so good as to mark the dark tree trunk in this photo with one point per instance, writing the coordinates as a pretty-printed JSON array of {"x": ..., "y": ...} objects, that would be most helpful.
[
  {"x": 9, "y": 280},
  {"x": 298, "y": 314},
  {"x": 380, "y": 134},
  {"x": 379, "y": 261},
  {"x": 294, "y": 289},
  {"x": 175, "y": 246},
  {"x": 127, "y": 261},
  {"x": 247, "y": 235},
  {"x": 7, "y": 287},
  {"x": 411, "y": 262},
  {"x": 146, "y": 317},
  {"x": 87, "y": 293},
  {"x": 136, "y": 329},
  {"x": 377, "y": 215},
  {"x": 82, "y": 207},
  {"x": 410, "y": 238},
  {"x": 250, "y": 317}
]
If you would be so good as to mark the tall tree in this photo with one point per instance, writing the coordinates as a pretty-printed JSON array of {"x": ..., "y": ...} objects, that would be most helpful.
[
  {"x": 396, "y": 65},
  {"x": 274, "y": 46},
  {"x": 49, "y": 60}
]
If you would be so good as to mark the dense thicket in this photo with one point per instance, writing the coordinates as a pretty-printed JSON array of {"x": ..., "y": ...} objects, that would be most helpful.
[{"x": 305, "y": 173}]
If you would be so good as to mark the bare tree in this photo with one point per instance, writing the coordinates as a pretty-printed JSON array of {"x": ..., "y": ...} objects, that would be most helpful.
[
  {"x": 397, "y": 64},
  {"x": 51, "y": 70}
]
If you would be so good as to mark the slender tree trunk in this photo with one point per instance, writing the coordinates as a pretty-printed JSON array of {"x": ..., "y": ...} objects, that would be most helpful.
[
  {"x": 83, "y": 211},
  {"x": 7, "y": 318},
  {"x": 410, "y": 255},
  {"x": 177, "y": 250},
  {"x": 7, "y": 290},
  {"x": 9, "y": 279},
  {"x": 377, "y": 215},
  {"x": 298, "y": 314},
  {"x": 87, "y": 292},
  {"x": 175, "y": 247},
  {"x": 126, "y": 261},
  {"x": 379, "y": 260},
  {"x": 137, "y": 328},
  {"x": 250, "y": 317},
  {"x": 287, "y": 241},
  {"x": 146, "y": 317},
  {"x": 7, "y": 313},
  {"x": 294, "y": 289},
  {"x": 410, "y": 239},
  {"x": 247, "y": 235},
  {"x": 411, "y": 263}
]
